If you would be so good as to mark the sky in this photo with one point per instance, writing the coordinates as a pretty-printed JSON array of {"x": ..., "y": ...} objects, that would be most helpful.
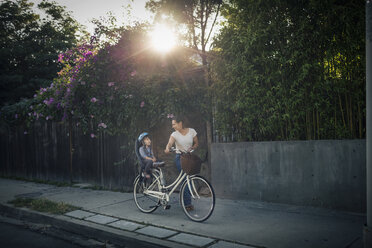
[{"x": 85, "y": 10}]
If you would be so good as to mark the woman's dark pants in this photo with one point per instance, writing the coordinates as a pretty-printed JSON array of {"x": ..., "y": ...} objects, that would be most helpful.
[{"x": 186, "y": 194}]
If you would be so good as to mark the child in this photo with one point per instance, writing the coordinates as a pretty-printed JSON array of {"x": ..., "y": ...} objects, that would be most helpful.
[{"x": 148, "y": 157}]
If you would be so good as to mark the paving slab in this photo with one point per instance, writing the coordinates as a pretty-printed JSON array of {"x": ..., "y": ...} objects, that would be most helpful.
[
  {"x": 101, "y": 219},
  {"x": 126, "y": 225},
  {"x": 80, "y": 214},
  {"x": 156, "y": 232},
  {"x": 190, "y": 239},
  {"x": 224, "y": 244}
]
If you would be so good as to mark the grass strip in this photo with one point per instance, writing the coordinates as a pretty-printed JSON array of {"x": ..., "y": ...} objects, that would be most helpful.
[{"x": 43, "y": 205}]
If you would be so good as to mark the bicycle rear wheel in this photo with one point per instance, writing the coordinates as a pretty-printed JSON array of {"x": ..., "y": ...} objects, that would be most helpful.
[
  {"x": 197, "y": 198},
  {"x": 144, "y": 202}
]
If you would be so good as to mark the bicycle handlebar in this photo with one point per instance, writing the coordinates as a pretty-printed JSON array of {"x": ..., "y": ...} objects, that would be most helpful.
[{"x": 172, "y": 149}]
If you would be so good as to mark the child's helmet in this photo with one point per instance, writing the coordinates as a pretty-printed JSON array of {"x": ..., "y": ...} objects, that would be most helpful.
[{"x": 142, "y": 135}]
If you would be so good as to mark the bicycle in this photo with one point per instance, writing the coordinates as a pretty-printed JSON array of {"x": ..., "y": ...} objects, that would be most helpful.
[{"x": 153, "y": 193}]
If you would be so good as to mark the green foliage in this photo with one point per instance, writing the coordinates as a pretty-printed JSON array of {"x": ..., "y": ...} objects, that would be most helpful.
[
  {"x": 284, "y": 70},
  {"x": 30, "y": 46}
]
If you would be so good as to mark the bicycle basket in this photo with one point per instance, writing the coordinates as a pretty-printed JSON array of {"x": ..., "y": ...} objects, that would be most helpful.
[{"x": 190, "y": 163}]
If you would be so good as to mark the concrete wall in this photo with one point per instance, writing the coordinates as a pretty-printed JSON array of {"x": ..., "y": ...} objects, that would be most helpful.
[{"x": 323, "y": 173}]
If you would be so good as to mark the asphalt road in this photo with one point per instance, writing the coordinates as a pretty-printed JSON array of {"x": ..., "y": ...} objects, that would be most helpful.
[{"x": 14, "y": 236}]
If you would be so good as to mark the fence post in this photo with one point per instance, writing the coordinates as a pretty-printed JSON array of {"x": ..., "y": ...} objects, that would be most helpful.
[{"x": 71, "y": 148}]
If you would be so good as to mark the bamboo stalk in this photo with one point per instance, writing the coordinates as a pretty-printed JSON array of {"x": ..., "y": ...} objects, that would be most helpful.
[
  {"x": 347, "y": 111},
  {"x": 318, "y": 125},
  {"x": 308, "y": 128},
  {"x": 314, "y": 125},
  {"x": 335, "y": 122},
  {"x": 351, "y": 118},
  {"x": 342, "y": 112},
  {"x": 360, "y": 122}
]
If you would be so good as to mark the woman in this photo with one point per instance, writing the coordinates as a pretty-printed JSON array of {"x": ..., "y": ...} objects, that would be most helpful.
[{"x": 186, "y": 139}]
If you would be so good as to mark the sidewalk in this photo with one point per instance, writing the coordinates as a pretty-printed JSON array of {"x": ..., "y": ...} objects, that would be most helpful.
[{"x": 233, "y": 223}]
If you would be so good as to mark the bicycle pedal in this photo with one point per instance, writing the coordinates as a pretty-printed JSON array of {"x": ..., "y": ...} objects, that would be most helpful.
[{"x": 166, "y": 207}]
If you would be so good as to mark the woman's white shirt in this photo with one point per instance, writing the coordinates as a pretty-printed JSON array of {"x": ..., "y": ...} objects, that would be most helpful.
[{"x": 184, "y": 142}]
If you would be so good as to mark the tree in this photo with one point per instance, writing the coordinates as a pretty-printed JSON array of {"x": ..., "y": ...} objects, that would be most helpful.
[
  {"x": 199, "y": 17},
  {"x": 287, "y": 70},
  {"x": 30, "y": 46}
]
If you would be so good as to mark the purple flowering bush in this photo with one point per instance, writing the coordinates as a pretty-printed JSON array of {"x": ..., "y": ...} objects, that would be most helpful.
[{"x": 119, "y": 88}]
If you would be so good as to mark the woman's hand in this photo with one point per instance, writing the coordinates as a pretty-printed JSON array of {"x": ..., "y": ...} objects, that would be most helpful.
[{"x": 167, "y": 150}]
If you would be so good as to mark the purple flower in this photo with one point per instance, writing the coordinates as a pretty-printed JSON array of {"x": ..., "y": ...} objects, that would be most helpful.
[
  {"x": 133, "y": 73},
  {"x": 16, "y": 116},
  {"x": 93, "y": 99},
  {"x": 59, "y": 105},
  {"x": 60, "y": 57},
  {"x": 49, "y": 102},
  {"x": 64, "y": 116},
  {"x": 110, "y": 84},
  {"x": 25, "y": 132},
  {"x": 48, "y": 117},
  {"x": 92, "y": 116},
  {"x": 88, "y": 53},
  {"x": 92, "y": 135},
  {"x": 170, "y": 116},
  {"x": 102, "y": 125},
  {"x": 142, "y": 104}
]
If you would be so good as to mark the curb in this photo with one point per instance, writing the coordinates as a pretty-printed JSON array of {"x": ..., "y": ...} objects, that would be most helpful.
[{"x": 88, "y": 229}]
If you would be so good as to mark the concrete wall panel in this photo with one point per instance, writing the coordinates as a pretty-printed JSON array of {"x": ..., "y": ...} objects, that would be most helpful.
[{"x": 322, "y": 173}]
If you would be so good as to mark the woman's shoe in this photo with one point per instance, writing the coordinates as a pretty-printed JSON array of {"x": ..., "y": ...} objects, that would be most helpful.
[{"x": 189, "y": 208}]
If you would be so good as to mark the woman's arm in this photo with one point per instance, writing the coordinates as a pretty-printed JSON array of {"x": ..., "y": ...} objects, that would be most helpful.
[
  {"x": 170, "y": 144},
  {"x": 196, "y": 143}
]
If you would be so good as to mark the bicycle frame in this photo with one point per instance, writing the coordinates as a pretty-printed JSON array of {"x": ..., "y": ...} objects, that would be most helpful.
[{"x": 172, "y": 187}]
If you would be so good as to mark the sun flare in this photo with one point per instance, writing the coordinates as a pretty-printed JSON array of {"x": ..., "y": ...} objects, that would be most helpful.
[{"x": 163, "y": 39}]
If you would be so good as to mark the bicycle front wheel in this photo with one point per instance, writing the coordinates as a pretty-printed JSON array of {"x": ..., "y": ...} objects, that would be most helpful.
[
  {"x": 197, "y": 198},
  {"x": 144, "y": 202}
]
